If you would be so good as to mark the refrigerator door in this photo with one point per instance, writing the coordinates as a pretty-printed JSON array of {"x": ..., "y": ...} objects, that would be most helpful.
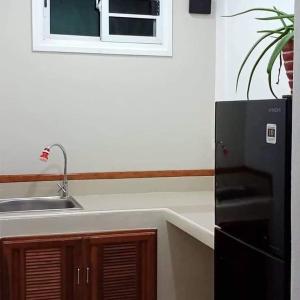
[
  {"x": 253, "y": 150},
  {"x": 244, "y": 273}
]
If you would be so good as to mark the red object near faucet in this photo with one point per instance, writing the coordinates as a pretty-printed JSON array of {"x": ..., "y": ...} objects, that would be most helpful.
[{"x": 45, "y": 154}]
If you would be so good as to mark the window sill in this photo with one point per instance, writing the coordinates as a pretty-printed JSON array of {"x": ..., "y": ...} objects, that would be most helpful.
[{"x": 94, "y": 46}]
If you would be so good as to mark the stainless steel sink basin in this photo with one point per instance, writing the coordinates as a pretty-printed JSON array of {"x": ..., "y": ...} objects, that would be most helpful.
[{"x": 38, "y": 204}]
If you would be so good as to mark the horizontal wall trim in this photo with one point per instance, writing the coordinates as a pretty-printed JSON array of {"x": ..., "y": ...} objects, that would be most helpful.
[{"x": 105, "y": 175}]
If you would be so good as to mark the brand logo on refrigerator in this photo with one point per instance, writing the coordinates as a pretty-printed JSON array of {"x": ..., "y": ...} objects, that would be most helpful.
[
  {"x": 275, "y": 110},
  {"x": 271, "y": 134}
]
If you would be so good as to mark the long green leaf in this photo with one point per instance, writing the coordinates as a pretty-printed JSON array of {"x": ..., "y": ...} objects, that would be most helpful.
[
  {"x": 258, "y": 61},
  {"x": 247, "y": 57},
  {"x": 282, "y": 20},
  {"x": 270, "y": 85},
  {"x": 285, "y": 16},
  {"x": 270, "y": 31},
  {"x": 278, "y": 49},
  {"x": 278, "y": 13},
  {"x": 255, "y": 9},
  {"x": 278, "y": 30},
  {"x": 273, "y": 58}
]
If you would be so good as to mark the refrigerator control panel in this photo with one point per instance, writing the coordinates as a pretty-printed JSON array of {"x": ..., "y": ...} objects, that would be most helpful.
[{"x": 271, "y": 134}]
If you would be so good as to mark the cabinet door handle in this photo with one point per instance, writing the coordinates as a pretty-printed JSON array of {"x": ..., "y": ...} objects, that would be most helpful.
[
  {"x": 78, "y": 276},
  {"x": 87, "y": 275}
]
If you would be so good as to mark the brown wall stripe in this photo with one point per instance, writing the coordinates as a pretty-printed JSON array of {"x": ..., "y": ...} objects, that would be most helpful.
[{"x": 105, "y": 175}]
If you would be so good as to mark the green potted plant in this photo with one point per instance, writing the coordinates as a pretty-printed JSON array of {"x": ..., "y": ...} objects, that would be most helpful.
[{"x": 281, "y": 44}]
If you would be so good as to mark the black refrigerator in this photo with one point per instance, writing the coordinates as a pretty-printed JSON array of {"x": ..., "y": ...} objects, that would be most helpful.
[{"x": 252, "y": 199}]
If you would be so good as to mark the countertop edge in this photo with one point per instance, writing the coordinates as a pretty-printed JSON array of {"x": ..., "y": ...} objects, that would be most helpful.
[
  {"x": 195, "y": 230},
  {"x": 192, "y": 228}
]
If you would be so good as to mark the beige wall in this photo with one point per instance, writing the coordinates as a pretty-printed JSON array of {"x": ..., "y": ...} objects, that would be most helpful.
[
  {"x": 192, "y": 266},
  {"x": 111, "y": 112}
]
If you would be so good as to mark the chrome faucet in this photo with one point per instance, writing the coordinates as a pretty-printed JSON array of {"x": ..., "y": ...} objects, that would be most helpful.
[{"x": 64, "y": 186}]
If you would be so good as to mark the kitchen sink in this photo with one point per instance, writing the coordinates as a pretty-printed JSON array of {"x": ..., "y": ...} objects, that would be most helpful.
[{"x": 38, "y": 204}]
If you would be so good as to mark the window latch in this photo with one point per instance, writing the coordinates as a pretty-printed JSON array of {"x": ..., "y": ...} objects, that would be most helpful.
[
  {"x": 155, "y": 7},
  {"x": 45, "y": 8},
  {"x": 99, "y": 4}
]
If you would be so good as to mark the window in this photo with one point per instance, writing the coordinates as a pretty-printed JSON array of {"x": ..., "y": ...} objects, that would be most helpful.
[{"x": 138, "y": 27}]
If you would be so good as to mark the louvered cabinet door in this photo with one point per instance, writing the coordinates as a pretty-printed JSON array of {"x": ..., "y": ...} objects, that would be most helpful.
[
  {"x": 122, "y": 266},
  {"x": 42, "y": 268}
]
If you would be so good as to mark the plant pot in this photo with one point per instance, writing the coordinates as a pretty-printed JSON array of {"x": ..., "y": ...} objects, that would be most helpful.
[{"x": 288, "y": 58}]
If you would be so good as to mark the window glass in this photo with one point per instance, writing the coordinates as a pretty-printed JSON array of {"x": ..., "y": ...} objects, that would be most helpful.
[
  {"x": 74, "y": 17},
  {"x": 132, "y": 26},
  {"x": 141, "y": 7}
]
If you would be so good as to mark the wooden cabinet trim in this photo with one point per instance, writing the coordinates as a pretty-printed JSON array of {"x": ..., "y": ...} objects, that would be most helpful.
[
  {"x": 74, "y": 236},
  {"x": 121, "y": 237},
  {"x": 106, "y": 175}
]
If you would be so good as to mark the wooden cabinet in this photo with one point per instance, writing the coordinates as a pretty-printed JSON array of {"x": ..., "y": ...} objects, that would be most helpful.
[
  {"x": 41, "y": 268},
  {"x": 102, "y": 266},
  {"x": 122, "y": 266}
]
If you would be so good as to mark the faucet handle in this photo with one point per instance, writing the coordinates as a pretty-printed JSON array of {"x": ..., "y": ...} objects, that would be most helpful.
[{"x": 61, "y": 187}]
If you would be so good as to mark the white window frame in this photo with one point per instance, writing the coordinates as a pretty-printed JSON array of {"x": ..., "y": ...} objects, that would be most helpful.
[
  {"x": 161, "y": 45},
  {"x": 104, "y": 28}
]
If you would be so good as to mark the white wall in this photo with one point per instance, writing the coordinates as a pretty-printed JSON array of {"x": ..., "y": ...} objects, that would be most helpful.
[
  {"x": 296, "y": 167},
  {"x": 235, "y": 36},
  {"x": 112, "y": 113}
]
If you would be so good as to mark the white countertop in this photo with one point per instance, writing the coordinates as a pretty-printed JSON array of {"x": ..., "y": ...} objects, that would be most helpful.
[{"x": 193, "y": 212}]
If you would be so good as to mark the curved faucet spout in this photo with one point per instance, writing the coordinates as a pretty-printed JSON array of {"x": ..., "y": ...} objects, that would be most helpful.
[{"x": 44, "y": 157}]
